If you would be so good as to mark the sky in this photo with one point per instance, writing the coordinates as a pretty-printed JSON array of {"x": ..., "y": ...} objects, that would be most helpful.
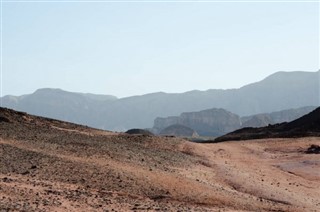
[{"x": 133, "y": 48}]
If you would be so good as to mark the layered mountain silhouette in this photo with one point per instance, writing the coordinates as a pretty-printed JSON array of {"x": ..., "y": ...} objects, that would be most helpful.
[
  {"x": 179, "y": 130},
  {"x": 307, "y": 125},
  {"x": 78, "y": 108},
  {"x": 277, "y": 92},
  {"x": 216, "y": 122},
  {"x": 211, "y": 122},
  {"x": 264, "y": 119}
]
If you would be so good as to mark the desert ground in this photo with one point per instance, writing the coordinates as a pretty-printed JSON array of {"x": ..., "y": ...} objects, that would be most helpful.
[{"x": 48, "y": 165}]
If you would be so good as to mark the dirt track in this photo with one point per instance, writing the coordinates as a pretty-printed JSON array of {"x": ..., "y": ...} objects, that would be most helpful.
[{"x": 48, "y": 165}]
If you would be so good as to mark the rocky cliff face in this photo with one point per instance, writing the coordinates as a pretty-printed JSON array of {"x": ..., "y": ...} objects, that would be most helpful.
[{"x": 212, "y": 122}]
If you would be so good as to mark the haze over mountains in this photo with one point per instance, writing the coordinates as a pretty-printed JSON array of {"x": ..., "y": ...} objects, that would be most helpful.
[
  {"x": 217, "y": 122},
  {"x": 211, "y": 122},
  {"x": 279, "y": 91},
  {"x": 264, "y": 119}
]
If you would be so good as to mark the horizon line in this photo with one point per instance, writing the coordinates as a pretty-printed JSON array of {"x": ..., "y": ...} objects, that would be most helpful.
[{"x": 155, "y": 92}]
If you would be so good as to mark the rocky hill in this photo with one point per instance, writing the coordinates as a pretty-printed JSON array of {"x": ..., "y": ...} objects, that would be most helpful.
[
  {"x": 139, "y": 132},
  {"x": 307, "y": 125},
  {"x": 278, "y": 91}
]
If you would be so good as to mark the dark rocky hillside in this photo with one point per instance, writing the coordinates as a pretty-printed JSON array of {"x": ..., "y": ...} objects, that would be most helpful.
[
  {"x": 308, "y": 125},
  {"x": 139, "y": 132}
]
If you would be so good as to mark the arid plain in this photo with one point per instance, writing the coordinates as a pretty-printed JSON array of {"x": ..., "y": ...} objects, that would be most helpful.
[{"x": 48, "y": 165}]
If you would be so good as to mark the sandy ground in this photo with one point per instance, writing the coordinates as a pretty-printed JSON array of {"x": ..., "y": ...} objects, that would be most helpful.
[{"x": 49, "y": 167}]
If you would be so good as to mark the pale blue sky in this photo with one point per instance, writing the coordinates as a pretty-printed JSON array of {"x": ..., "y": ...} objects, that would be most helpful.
[{"x": 128, "y": 49}]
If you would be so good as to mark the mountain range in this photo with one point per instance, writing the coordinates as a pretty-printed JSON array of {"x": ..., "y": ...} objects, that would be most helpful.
[{"x": 279, "y": 91}]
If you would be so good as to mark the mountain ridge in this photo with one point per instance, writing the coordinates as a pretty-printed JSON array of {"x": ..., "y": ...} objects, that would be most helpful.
[{"x": 277, "y": 92}]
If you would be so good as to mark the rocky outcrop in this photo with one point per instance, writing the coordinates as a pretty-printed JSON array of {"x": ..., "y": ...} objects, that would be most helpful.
[
  {"x": 212, "y": 122},
  {"x": 139, "y": 132},
  {"x": 313, "y": 149}
]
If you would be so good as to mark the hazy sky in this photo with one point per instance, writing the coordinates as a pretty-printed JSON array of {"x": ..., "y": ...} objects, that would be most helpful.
[{"x": 135, "y": 48}]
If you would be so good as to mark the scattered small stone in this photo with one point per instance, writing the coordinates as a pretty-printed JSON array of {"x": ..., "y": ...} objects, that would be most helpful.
[
  {"x": 25, "y": 173},
  {"x": 4, "y": 119},
  {"x": 313, "y": 149},
  {"x": 6, "y": 180},
  {"x": 33, "y": 167}
]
